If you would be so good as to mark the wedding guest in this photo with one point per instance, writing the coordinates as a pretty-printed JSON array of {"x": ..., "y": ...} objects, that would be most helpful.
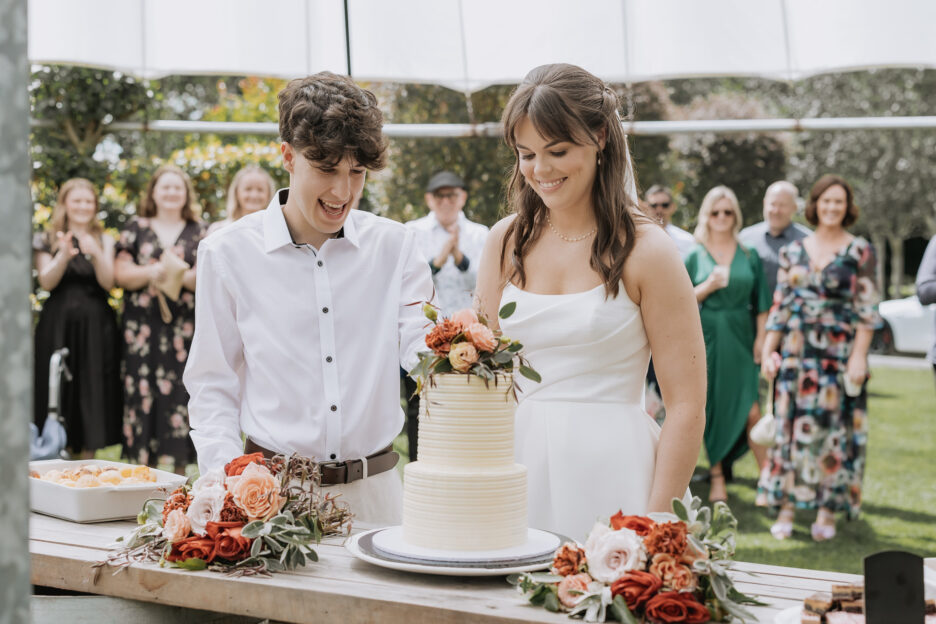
[
  {"x": 733, "y": 301},
  {"x": 74, "y": 261},
  {"x": 662, "y": 207},
  {"x": 597, "y": 285},
  {"x": 304, "y": 310},
  {"x": 251, "y": 190},
  {"x": 926, "y": 286},
  {"x": 157, "y": 330},
  {"x": 776, "y": 230},
  {"x": 823, "y": 317},
  {"x": 452, "y": 246}
]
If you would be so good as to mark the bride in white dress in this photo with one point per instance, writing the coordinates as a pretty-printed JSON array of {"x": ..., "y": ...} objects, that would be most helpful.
[{"x": 598, "y": 285}]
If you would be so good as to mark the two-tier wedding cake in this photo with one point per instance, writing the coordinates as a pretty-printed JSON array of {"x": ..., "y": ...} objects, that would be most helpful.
[{"x": 466, "y": 492}]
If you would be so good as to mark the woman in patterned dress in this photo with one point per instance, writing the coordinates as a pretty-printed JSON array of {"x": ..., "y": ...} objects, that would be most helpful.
[
  {"x": 822, "y": 319},
  {"x": 155, "y": 427}
]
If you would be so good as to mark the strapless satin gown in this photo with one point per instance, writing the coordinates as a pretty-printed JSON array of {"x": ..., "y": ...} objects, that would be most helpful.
[{"x": 583, "y": 433}]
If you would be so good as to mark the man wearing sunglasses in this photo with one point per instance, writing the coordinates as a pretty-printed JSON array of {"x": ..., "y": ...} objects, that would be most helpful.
[{"x": 662, "y": 207}]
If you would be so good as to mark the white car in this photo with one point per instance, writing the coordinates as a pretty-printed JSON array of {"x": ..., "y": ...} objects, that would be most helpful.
[{"x": 908, "y": 326}]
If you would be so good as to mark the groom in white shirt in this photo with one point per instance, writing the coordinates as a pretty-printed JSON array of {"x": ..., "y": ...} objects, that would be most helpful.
[{"x": 302, "y": 314}]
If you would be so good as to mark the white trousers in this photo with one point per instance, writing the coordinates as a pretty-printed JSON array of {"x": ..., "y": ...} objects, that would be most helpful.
[{"x": 375, "y": 501}]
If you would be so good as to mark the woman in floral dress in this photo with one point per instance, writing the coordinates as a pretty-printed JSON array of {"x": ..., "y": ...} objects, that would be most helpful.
[
  {"x": 823, "y": 317},
  {"x": 155, "y": 427}
]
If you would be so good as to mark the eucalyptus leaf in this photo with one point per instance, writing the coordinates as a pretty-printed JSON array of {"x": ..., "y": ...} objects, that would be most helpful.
[
  {"x": 529, "y": 373},
  {"x": 192, "y": 564},
  {"x": 514, "y": 579},
  {"x": 444, "y": 366},
  {"x": 507, "y": 310},
  {"x": 252, "y": 529},
  {"x": 312, "y": 555},
  {"x": 255, "y": 547},
  {"x": 621, "y": 613},
  {"x": 680, "y": 510},
  {"x": 514, "y": 347},
  {"x": 502, "y": 357},
  {"x": 551, "y": 602}
]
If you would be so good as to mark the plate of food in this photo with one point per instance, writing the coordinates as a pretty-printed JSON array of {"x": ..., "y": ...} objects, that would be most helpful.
[{"x": 95, "y": 490}]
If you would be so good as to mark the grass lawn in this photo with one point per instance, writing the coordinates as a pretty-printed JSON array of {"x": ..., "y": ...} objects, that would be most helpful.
[
  {"x": 899, "y": 509},
  {"x": 899, "y": 499}
]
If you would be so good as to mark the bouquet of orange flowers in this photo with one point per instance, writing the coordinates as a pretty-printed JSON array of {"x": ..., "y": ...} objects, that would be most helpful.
[
  {"x": 465, "y": 343},
  {"x": 256, "y": 516},
  {"x": 664, "y": 568}
]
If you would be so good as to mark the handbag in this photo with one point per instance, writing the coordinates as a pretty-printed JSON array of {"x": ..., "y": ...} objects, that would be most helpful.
[
  {"x": 170, "y": 286},
  {"x": 764, "y": 431}
]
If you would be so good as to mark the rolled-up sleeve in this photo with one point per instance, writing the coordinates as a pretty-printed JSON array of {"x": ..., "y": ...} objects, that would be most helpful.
[
  {"x": 415, "y": 289},
  {"x": 212, "y": 372}
]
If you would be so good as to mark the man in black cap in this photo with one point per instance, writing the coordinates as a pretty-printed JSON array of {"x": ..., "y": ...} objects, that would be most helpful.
[{"x": 452, "y": 246}]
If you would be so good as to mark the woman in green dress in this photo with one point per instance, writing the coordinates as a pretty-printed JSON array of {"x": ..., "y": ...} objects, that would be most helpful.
[{"x": 733, "y": 301}]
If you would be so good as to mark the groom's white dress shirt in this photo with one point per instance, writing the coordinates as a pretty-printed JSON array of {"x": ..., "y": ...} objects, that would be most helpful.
[{"x": 300, "y": 348}]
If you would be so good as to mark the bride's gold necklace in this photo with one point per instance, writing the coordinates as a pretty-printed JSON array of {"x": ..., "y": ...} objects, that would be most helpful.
[{"x": 568, "y": 239}]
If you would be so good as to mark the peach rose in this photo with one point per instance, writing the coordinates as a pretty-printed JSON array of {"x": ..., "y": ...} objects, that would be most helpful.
[
  {"x": 463, "y": 319},
  {"x": 674, "y": 575},
  {"x": 257, "y": 492},
  {"x": 572, "y": 588},
  {"x": 176, "y": 526},
  {"x": 462, "y": 356},
  {"x": 481, "y": 337}
]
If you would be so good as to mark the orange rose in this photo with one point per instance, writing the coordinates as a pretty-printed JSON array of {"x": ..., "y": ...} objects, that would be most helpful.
[
  {"x": 229, "y": 543},
  {"x": 257, "y": 492},
  {"x": 569, "y": 559},
  {"x": 237, "y": 465},
  {"x": 463, "y": 319},
  {"x": 441, "y": 336},
  {"x": 195, "y": 547},
  {"x": 571, "y": 589},
  {"x": 667, "y": 537},
  {"x": 462, "y": 356},
  {"x": 179, "y": 499},
  {"x": 673, "y": 574},
  {"x": 636, "y": 587},
  {"x": 481, "y": 337},
  {"x": 640, "y": 525},
  {"x": 670, "y": 607}
]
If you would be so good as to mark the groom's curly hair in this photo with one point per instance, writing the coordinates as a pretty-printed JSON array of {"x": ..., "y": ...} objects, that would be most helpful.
[{"x": 327, "y": 117}]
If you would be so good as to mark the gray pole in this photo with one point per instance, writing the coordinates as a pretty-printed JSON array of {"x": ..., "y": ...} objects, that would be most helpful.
[{"x": 15, "y": 326}]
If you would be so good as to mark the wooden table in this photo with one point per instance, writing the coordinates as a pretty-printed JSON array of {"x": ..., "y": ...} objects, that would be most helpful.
[{"x": 339, "y": 588}]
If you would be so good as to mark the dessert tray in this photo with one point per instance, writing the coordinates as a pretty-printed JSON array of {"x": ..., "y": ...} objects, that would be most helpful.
[
  {"x": 385, "y": 547},
  {"x": 101, "y": 503}
]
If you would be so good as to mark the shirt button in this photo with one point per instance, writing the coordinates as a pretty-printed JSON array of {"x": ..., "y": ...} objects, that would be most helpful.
[
  {"x": 328, "y": 359},
  {"x": 333, "y": 456},
  {"x": 325, "y": 310},
  {"x": 320, "y": 263},
  {"x": 334, "y": 408}
]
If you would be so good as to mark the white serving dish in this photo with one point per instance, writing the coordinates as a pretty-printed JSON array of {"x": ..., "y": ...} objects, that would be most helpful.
[{"x": 97, "y": 504}]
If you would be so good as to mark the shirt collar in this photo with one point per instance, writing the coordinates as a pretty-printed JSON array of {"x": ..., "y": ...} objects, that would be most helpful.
[
  {"x": 276, "y": 233},
  {"x": 784, "y": 234},
  {"x": 435, "y": 221}
]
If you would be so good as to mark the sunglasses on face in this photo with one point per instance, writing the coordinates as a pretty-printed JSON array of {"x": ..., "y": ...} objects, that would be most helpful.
[
  {"x": 717, "y": 213},
  {"x": 660, "y": 205},
  {"x": 445, "y": 196}
]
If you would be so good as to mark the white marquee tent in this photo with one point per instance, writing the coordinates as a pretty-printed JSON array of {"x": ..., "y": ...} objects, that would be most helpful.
[{"x": 469, "y": 44}]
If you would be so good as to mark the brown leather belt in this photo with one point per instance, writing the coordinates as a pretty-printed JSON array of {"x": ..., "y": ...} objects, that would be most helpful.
[{"x": 339, "y": 472}]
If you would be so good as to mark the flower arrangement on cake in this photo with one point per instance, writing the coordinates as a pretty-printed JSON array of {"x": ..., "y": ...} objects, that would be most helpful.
[
  {"x": 465, "y": 343},
  {"x": 257, "y": 516},
  {"x": 635, "y": 569}
]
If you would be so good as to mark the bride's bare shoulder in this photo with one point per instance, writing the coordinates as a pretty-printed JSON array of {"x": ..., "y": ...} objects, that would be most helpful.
[{"x": 654, "y": 246}]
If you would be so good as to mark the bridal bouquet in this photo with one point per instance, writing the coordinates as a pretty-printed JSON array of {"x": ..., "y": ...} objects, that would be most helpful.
[
  {"x": 664, "y": 568},
  {"x": 256, "y": 516},
  {"x": 464, "y": 343}
]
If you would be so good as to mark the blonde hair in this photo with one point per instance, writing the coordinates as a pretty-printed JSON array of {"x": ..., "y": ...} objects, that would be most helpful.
[
  {"x": 191, "y": 210},
  {"x": 711, "y": 198},
  {"x": 59, "y": 220},
  {"x": 233, "y": 206}
]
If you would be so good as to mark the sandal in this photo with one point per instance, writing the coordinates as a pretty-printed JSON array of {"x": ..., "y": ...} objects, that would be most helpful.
[
  {"x": 821, "y": 530},
  {"x": 716, "y": 477},
  {"x": 783, "y": 527}
]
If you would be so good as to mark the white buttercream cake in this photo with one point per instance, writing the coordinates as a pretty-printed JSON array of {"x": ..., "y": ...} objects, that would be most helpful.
[{"x": 466, "y": 492}]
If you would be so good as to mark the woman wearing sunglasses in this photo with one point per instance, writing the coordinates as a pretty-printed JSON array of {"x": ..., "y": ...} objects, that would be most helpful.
[{"x": 733, "y": 302}]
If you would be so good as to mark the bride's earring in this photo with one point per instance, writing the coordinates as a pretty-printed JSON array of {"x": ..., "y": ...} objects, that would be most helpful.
[{"x": 599, "y": 159}]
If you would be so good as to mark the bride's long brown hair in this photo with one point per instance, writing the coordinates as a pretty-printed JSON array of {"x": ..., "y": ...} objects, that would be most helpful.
[{"x": 566, "y": 103}]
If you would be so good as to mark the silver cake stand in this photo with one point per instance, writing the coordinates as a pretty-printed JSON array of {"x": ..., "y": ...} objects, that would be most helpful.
[{"x": 385, "y": 547}]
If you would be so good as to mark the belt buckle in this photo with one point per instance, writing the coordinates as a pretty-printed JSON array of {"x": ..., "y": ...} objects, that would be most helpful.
[{"x": 333, "y": 463}]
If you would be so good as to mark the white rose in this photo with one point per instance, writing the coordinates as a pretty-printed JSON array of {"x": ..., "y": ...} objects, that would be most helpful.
[
  {"x": 205, "y": 507},
  {"x": 612, "y": 554},
  {"x": 212, "y": 478}
]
